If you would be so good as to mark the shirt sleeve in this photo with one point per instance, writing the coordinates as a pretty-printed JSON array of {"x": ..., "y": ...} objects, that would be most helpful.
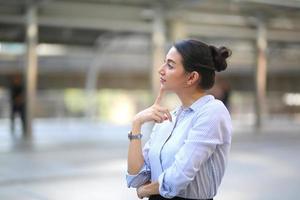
[
  {"x": 139, "y": 179},
  {"x": 144, "y": 174},
  {"x": 207, "y": 132}
]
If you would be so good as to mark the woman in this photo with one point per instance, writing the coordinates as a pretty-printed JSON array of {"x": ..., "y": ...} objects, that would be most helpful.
[{"x": 186, "y": 154}]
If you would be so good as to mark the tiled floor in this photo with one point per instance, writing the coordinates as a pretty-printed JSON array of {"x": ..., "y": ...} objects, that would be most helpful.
[{"x": 87, "y": 161}]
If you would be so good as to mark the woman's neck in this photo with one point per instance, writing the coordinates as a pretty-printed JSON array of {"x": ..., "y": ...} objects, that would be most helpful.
[{"x": 188, "y": 97}]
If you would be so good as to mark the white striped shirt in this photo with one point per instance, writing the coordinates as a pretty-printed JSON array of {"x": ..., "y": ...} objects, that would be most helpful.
[{"x": 188, "y": 156}]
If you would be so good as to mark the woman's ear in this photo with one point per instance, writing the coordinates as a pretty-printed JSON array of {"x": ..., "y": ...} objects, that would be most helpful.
[{"x": 193, "y": 78}]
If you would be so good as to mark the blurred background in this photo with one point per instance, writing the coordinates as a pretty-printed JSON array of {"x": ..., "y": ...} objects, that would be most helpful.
[{"x": 74, "y": 72}]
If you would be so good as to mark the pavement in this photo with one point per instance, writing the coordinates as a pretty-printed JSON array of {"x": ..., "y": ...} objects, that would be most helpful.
[{"x": 84, "y": 160}]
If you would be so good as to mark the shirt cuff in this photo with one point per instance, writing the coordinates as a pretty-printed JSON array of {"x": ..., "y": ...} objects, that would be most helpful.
[
  {"x": 164, "y": 189},
  {"x": 139, "y": 179}
]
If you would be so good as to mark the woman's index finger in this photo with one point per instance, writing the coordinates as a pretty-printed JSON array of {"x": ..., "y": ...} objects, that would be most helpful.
[{"x": 159, "y": 97}]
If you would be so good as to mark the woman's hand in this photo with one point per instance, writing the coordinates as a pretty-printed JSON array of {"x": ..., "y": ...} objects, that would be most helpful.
[
  {"x": 155, "y": 112},
  {"x": 141, "y": 192},
  {"x": 148, "y": 189}
]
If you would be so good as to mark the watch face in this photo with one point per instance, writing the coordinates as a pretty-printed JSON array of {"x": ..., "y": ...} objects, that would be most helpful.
[{"x": 137, "y": 136}]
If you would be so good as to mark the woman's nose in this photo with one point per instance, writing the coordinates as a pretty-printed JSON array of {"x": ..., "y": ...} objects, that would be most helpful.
[{"x": 161, "y": 69}]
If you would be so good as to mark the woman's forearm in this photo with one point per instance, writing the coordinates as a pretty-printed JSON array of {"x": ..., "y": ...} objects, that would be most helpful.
[
  {"x": 154, "y": 113},
  {"x": 135, "y": 159}
]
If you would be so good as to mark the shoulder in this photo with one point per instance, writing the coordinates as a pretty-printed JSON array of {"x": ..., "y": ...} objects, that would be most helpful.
[
  {"x": 213, "y": 118},
  {"x": 214, "y": 106},
  {"x": 212, "y": 112}
]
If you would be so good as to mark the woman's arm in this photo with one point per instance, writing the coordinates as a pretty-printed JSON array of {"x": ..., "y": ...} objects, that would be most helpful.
[
  {"x": 154, "y": 113},
  {"x": 135, "y": 155}
]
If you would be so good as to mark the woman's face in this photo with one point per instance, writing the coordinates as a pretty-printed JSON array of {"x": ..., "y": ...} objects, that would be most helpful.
[{"x": 172, "y": 74}]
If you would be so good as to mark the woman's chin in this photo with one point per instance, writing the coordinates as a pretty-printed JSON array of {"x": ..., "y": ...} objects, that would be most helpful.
[
  {"x": 166, "y": 88},
  {"x": 163, "y": 86}
]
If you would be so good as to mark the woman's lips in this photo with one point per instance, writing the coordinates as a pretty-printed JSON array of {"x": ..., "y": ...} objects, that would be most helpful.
[{"x": 162, "y": 80}]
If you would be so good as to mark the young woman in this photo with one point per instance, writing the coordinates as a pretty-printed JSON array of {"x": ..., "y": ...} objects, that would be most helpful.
[{"x": 186, "y": 154}]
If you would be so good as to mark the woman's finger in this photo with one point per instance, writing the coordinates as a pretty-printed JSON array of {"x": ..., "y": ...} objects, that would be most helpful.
[
  {"x": 159, "y": 97},
  {"x": 166, "y": 111},
  {"x": 157, "y": 118},
  {"x": 169, "y": 115},
  {"x": 159, "y": 113},
  {"x": 164, "y": 116}
]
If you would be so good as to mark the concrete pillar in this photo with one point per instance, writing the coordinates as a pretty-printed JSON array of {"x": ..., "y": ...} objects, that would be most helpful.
[
  {"x": 91, "y": 89},
  {"x": 31, "y": 66},
  {"x": 104, "y": 44},
  {"x": 261, "y": 73},
  {"x": 158, "y": 46}
]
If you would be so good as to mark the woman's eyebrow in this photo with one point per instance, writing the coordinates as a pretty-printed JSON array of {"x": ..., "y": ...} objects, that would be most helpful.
[{"x": 170, "y": 60}]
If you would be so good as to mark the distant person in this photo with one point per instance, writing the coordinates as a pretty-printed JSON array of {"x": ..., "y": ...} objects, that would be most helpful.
[
  {"x": 186, "y": 155},
  {"x": 17, "y": 101},
  {"x": 222, "y": 91},
  {"x": 226, "y": 94}
]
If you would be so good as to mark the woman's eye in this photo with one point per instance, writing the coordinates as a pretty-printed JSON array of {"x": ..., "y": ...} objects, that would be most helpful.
[{"x": 170, "y": 66}]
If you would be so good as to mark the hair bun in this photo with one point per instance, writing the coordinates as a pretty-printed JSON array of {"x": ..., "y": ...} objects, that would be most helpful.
[{"x": 219, "y": 56}]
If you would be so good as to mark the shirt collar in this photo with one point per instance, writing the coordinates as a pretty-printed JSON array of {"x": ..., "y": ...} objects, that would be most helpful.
[
  {"x": 196, "y": 105},
  {"x": 200, "y": 102}
]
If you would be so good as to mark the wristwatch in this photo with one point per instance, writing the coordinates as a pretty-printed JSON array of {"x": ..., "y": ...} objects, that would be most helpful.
[{"x": 134, "y": 136}]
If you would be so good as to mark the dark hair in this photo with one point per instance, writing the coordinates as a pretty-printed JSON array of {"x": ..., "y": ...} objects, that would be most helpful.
[{"x": 204, "y": 59}]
